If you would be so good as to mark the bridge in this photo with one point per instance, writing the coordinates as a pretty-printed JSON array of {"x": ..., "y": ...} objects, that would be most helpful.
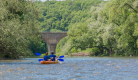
[{"x": 52, "y": 38}]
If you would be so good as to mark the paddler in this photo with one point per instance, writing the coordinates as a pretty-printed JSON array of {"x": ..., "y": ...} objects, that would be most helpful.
[
  {"x": 46, "y": 57},
  {"x": 52, "y": 56}
]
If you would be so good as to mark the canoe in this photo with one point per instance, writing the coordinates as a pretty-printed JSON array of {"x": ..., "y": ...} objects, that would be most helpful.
[{"x": 49, "y": 62}]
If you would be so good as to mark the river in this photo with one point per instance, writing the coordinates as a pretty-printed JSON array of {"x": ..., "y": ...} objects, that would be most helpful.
[{"x": 74, "y": 68}]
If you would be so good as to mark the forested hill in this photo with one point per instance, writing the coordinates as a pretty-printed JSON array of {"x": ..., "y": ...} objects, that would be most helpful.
[
  {"x": 60, "y": 15},
  {"x": 102, "y": 28}
]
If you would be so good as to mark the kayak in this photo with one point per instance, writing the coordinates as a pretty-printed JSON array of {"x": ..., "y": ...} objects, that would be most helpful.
[{"x": 49, "y": 62}]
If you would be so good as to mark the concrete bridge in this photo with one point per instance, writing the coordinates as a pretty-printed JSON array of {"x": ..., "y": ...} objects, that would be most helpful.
[{"x": 52, "y": 38}]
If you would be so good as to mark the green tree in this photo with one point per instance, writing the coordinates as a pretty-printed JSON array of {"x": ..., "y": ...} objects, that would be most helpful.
[
  {"x": 18, "y": 21},
  {"x": 61, "y": 14},
  {"x": 115, "y": 25}
]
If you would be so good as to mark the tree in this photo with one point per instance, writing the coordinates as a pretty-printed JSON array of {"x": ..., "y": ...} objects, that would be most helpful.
[
  {"x": 18, "y": 21},
  {"x": 117, "y": 25}
]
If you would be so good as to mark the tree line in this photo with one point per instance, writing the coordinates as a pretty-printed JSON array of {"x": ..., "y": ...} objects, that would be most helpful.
[
  {"x": 105, "y": 28},
  {"x": 21, "y": 22},
  {"x": 112, "y": 30},
  {"x": 19, "y": 29},
  {"x": 57, "y": 16},
  {"x": 60, "y": 15}
]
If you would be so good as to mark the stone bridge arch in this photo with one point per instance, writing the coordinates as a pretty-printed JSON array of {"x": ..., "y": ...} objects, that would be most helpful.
[{"x": 52, "y": 38}]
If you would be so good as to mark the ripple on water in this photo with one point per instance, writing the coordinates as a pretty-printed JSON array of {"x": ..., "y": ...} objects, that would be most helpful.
[{"x": 85, "y": 68}]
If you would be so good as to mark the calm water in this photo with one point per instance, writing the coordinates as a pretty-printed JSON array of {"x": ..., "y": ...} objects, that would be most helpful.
[{"x": 76, "y": 68}]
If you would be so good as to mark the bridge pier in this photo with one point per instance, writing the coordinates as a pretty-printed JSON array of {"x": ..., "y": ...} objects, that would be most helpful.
[
  {"x": 52, "y": 47},
  {"x": 52, "y": 38}
]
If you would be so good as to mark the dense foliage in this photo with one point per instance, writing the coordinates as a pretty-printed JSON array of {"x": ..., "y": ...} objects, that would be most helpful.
[
  {"x": 18, "y": 22},
  {"x": 61, "y": 14},
  {"x": 112, "y": 30},
  {"x": 103, "y": 28}
]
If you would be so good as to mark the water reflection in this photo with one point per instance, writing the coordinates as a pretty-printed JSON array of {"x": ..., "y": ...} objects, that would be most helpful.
[{"x": 76, "y": 68}]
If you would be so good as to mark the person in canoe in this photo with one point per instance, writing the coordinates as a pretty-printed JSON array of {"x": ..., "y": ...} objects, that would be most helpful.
[
  {"x": 46, "y": 57},
  {"x": 52, "y": 56}
]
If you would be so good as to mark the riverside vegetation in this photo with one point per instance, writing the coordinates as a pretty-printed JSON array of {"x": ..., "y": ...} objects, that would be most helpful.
[{"x": 102, "y": 28}]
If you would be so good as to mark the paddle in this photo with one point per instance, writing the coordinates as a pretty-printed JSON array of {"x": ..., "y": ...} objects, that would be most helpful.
[
  {"x": 61, "y": 56},
  {"x": 38, "y": 54},
  {"x": 40, "y": 60},
  {"x": 61, "y": 60},
  {"x": 57, "y": 59}
]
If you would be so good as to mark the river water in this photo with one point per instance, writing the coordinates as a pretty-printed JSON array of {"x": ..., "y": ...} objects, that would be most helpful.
[{"x": 75, "y": 68}]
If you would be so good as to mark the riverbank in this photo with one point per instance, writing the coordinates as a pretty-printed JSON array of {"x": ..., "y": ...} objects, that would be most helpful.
[
  {"x": 77, "y": 54},
  {"x": 85, "y": 54}
]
